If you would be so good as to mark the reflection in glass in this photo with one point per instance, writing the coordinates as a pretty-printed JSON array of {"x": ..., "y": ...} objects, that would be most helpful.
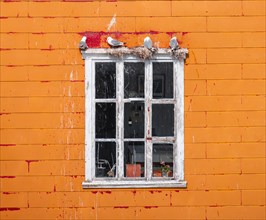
[
  {"x": 162, "y": 80},
  {"x": 105, "y": 78},
  {"x": 134, "y": 120},
  {"x": 105, "y": 159},
  {"x": 162, "y": 120},
  {"x": 162, "y": 160},
  {"x": 134, "y": 159},
  {"x": 105, "y": 120},
  {"x": 134, "y": 80}
]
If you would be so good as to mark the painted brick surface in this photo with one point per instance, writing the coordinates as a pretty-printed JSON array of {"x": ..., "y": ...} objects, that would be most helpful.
[{"x": 42, "y": 107}]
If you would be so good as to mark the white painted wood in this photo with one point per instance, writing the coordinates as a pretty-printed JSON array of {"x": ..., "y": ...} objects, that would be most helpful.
[{"x": 99, "y": 55}]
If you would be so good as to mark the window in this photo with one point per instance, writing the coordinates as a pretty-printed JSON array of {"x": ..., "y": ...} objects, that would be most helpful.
[{"x": 134, "y": 121}]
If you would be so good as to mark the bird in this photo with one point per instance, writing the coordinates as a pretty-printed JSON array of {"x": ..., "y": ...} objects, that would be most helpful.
[
  {"x": 148, "y": 43},
  {"x": 82, "y": 44},
  {"x": 114, "y": 43},
  {"x": 173, "y": 43}
]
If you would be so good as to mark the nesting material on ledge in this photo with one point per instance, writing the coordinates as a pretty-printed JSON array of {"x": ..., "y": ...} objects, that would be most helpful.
[{"x": 144, "y": 53}]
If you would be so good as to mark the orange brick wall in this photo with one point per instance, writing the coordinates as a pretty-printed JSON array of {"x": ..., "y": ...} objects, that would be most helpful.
[{"x": 42, "y": 108}]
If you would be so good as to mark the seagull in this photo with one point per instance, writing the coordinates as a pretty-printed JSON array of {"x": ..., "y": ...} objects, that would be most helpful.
[
  {"x": 82, "y": 44},
  {"x": 173, "y": 43},
  {"x": 148, "y": 43},
  {"x": 114, "y": 43}
]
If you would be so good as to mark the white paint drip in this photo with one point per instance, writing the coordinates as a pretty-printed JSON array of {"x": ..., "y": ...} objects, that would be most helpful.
[
  {"x": 112, "y": 23},
  {"x": 71, "y": 76}
]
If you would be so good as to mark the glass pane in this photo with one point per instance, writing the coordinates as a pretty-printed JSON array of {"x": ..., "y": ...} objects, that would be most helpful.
[
  {"x": 134, "y": 159},
  {"x": 162, "y": 80},
  {"x": 134, "y": 120},
  {"x": 105, "y": 159},
  {"x": 162, "y": 160},
  {"x": 134, "y": 80},
  {"x": 105, "y": 78},
  {"x": 162, "y": 120},
  {"x": 105, "y": 120}
]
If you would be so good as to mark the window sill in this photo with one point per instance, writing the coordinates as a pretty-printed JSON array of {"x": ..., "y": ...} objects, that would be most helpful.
[{"x": 135, "y": 184}]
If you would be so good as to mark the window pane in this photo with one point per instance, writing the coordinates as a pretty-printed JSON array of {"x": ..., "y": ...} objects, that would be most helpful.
[
  {"x": 162, "y": 80},
  {"x": 134, "y": 120},
  {"x": 105, "y": 80},
  {"x": 105, "y": 159},
  {"x": 134, "y": 80},
  {"x": 134, "y": 159},
  {"x": 162, "y": 120},
  {"x": 105, "y": 120},
  {"x": 162, "y": 160}
]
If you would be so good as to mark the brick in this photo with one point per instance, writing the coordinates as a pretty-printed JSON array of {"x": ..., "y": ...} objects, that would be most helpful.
[
  {"x": 195, "y": 87},
  {"x": 14, "y": 41},
  {"x": 42, "y": 136},
  {"x": 240, "y": 55},
  {"x": 228, "y": 119},
  {"x": 211, "y": 40},
  {"x": 235, "y": 150},
  {"x": 34, "y": 213},
  {"x": 66, "y": 25},
  {"x": 153, "y": 198},
  {"x": 13, "y": 200},
  {"x": 42, "y": 152},
  {"x": 69, "y": 183},
  {"x": 42, "y": 104},
  {"x": 42, "y": 57},
  {"x": 53, "y": 41},
  {"x": 195, "y": 151},
  {"x": 253, "y": 102},
  {"x": 43, "y": 120},
  {"x": 253, "y": 165},
  {"x": 28, "y": 184},
  {"x": 212, "y": 103},
  {"x": 210, "y": 198},
  {"x": 254, "y": 8},
  {"x": 61, "y": 199},
  {"x": 118, "y": 212},
  {"x": 253, "y": 39},
  {"x": 213, "y": 135},
  {"x": 236, "y": 87},
  {"x": 51, "y": 73},
  {"x": 196, "y": 56},
  {"x": 236, "y": 24},
  {"x": 168, "y": 24},
  {"x": 135, "y": 8},
  {"x": 13, "y": 168},
  {"x": 16, "y": 9},
  {"x": 63, "y": 9},
  {"x": 57, "y": 168},
  {"x": 111, "y": 198},
  {"x": 209, "y": 8},
  {"x": 37, "y": 89},
  {"x": 195, "y": 119},
  {"x": 212, "y": 166},
  {"x": 253, "y": 197},
  {"x": 171, "y": 212},
  {"x": 235, "y": 181},
  {"x": 254, "y": 134},
  {"x": 213, "y": 71},
  {"x": 195, "y": 182},
  {"x": 11, "y": 73},
  {"x": 254, "y": 71},
  {"x": 236, "y": 212}
]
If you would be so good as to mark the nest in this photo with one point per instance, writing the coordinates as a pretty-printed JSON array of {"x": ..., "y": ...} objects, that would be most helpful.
[
  {"x": 144, "y": 53},
  {"x": 140, "y": 52}
]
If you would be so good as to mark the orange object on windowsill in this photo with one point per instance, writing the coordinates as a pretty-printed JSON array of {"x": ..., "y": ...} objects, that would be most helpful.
[{"x": 133, "y": 170}]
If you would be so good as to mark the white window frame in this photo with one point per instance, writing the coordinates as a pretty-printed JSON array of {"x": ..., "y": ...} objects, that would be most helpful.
[{"x": 91, "y": 56}]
